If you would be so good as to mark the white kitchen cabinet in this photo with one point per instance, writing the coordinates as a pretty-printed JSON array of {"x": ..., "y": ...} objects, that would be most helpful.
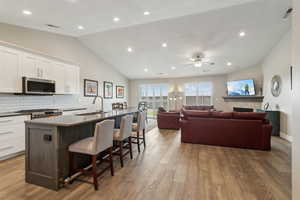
[
  {"x": 44, "y": 68},
  {"x": 57, "y": 73},
  {"x": 29, "y": 66},
  {"x": 35, "y": 66},
  {"x": 15, "y": 64},
  {"x": 10, "y": 77},
  {"x": 12, "y": 135},
  {"x": 71, "y": 79}
]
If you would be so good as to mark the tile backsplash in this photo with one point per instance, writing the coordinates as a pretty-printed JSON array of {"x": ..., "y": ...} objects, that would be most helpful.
[{"x": 10, "y": 103}]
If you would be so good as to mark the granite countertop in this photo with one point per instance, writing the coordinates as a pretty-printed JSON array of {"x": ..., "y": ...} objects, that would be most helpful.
[
  {"x": 16, "y": 113},
  {"x": 12, "y": 114},
  {"x": 72, "y": 120},
  {"x": 73, "y": 109}
]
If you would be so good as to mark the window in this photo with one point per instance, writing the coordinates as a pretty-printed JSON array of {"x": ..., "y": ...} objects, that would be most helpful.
[
  {"x": 155, "y": 95},
  {"x": 198, "y": 93}
]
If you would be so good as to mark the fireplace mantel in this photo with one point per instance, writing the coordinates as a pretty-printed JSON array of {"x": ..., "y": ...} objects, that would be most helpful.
[{"x": 244, "y": 98}]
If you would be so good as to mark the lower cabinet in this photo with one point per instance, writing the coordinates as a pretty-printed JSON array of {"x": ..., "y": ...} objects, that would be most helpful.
[{"x": 12, "y": 135}]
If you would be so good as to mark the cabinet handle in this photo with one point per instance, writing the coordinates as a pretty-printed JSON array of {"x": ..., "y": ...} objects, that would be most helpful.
[
  {"x": 8, "y": 120},
  {"x": 6, "y": 148},
  {"x": 6, "y": 133}
]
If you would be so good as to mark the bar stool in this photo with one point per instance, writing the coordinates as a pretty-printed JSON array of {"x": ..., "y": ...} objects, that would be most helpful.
[
  {"x": 101, "y": 142},
  {"x": 114, "y": 106},
  {"x": 122, "y": 138},
  {"x": 138, "y": 128}
]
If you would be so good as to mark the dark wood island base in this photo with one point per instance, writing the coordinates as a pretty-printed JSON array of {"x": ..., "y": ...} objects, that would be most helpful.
[{"x": 47, "y": 142}]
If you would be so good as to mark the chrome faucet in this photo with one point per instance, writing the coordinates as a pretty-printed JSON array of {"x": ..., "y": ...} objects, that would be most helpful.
[{"x": 94, "y": 102}]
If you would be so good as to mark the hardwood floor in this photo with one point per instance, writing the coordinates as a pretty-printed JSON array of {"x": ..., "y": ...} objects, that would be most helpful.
[{"x": 170, "y": 170}]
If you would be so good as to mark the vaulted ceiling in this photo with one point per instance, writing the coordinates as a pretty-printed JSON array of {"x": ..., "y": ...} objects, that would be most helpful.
[{"x": 187, "y": 27}]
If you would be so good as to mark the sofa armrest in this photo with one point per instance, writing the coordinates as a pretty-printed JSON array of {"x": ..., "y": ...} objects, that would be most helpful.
[
  {"x": 266, "y": 136},
  {"x": 173, "y": 115}
]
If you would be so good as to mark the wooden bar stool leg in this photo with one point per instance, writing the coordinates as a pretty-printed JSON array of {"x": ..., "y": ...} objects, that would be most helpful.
[
  {"x": 121, "y": 152},
  {"x": 111, "y": 161},
  {"x": 71, "y": 163},
  {"x": 94, "y": 171},
  {"x": 130, "y": 147},
  {"x": 144, "y": 138},
  {"x": 138, "y": 141}
]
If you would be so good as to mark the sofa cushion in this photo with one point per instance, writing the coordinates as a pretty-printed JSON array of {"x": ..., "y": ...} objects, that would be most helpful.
[
  {"x": 198, "y": 107},
  {"x": 250, "y": 115},
  {"x": 222, "y": 115},
  {"x": 194, "y": 113}
]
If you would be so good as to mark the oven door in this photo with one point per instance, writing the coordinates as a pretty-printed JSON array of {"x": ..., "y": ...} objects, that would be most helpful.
[{"x": 38, "y": 86}]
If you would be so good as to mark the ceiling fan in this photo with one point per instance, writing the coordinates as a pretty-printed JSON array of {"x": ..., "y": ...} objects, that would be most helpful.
[{"x": 199, "y": 60}]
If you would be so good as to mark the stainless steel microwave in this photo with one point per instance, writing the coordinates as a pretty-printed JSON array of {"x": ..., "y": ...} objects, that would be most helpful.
[{"x": 38, "y": 86}]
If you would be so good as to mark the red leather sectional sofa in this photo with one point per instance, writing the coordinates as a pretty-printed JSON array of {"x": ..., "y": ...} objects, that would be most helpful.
[
  {"x": 230, "y": 129},
  {"x": 168, "y": 120}
]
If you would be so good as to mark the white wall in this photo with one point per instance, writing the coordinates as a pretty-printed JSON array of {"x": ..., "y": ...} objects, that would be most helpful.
[
  {"x": 296, "y": 101},
  {"x": 219, "y": 82},
  {"x": 69, "y": 49},
  {"x": 253, "y": 72},
  {"x": 278, "y": 62}
]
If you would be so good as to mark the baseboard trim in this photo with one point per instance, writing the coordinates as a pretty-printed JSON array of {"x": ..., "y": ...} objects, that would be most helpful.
[{"x": 286, "y": 137}]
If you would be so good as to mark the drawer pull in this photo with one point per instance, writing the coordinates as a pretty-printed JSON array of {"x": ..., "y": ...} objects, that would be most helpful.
[
  {"x": 6, "y": 148},
  {"x": 8, "y": 120},
  {"x": 6, "y": 133}
]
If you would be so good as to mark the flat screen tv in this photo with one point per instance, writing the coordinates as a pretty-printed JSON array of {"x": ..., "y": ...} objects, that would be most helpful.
[{"x": 241, "y": 88}]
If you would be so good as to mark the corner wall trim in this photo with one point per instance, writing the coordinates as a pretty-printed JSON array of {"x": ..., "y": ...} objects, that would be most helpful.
[{"x": 286, "y": 137}]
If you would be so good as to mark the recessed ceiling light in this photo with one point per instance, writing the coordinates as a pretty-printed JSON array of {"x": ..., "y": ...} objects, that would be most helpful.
[
  {"x": 242, "y": 34},
  {"x": 164, "y": 45},
  {"x": 173, "y": 67},
  {"x": 129, "y": 49},
  {"x": 116, "y": 19},
  {"x": 80, "y": 27},
  {"x": 27, "y": 12},
  {"x": 229, "y": 63},
  {"x": 146, "y": 70},
  {"x": 147, "y": 13}
]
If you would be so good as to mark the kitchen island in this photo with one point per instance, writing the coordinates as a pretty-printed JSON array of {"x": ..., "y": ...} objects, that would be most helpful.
[{"x": 47, "y": 142}]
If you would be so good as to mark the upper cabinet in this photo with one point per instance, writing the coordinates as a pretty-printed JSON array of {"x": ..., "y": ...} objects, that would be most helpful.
[
  {"x": 71, "y": 79},
  {"x": 16, "y": 64},
  {"x": 35, "y": 67},
  {"x": 57, "y": 73},
  {"x": 10, "y": 76}
]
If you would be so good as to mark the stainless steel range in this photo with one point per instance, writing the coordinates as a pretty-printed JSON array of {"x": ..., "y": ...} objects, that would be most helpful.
[{"x": 42, "y": 113}]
